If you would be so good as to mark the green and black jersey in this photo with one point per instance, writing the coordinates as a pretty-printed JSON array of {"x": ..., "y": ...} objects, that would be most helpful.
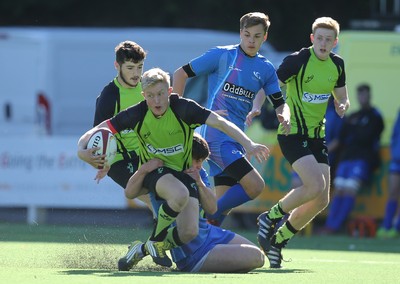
[
  {"x": 113, "y": 99},
  {"x": 169, "y": 137},
  {"x": 310, "y": 82}
]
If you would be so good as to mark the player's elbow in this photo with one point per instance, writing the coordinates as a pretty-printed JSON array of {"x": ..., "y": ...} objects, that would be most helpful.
[{"x": 129, "y": 193}]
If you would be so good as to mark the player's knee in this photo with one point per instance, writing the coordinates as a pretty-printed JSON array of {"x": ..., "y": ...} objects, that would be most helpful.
[
  {"x": 188, "y": 234},
  {"x": 256, "y": 260},
  {"x": 179, "y": 200},
  {"x": 323, "y": 202},
  {"x": 315, "y": 187},
  {"x": 259, "y": 260},
  {"x": 255, "y": 187}
]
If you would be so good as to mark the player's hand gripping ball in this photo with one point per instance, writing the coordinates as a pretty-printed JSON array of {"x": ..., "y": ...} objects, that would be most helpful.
[{"x": 107, "y": 142}]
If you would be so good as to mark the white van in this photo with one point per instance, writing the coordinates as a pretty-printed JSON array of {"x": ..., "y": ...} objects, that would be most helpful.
[{"x": 54, "y": 75}]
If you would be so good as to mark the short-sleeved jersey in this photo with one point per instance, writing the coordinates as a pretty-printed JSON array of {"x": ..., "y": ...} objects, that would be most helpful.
[
  {"x": 234, "y": 78},
  {"x": 169, "y": 137},
  {"x": 310, "y": 82},
  {"x": 111, "y": 101}
]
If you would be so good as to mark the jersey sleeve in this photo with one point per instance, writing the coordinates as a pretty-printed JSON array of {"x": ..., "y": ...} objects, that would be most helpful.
[
  {"x": 128, "y": 118},
  {"x": 105, "y": 104},
  {"x": 271, "y": 85},
  {"x": 341, "y": 82},
  {"x": 189, "y": 111},
  {"x": 207, "y": 62},
  {"x": 291, "y": 65}
]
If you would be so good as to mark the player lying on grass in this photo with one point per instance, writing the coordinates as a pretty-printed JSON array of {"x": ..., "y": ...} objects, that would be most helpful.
[
  {"x": 164, "y": 125},
  {"x": 212, "y": 249}
]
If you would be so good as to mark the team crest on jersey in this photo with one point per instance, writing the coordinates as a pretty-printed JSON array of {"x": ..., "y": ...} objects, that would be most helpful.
[
  {"x": 146, "y": 135},
  {"x": 308, "y": 79},
  {"x": 257, "y": 75},
  {"x": 315, "y": 98}
]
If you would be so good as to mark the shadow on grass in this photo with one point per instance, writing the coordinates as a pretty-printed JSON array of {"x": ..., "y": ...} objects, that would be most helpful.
[
  {"x": 284, "y": 270},
  {"x": 110, "y": 273}
]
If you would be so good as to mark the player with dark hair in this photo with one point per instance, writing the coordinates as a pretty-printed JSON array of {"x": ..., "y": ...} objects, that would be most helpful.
[
  {"x": 213, "y": 249},
  {"x": 122, "y": 92},
  {"x": 164, "y": 125},
  {"x": 236, "y": 73}
]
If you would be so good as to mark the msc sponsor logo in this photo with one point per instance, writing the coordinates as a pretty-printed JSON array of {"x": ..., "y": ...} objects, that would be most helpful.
[
  {"x": 238, "y": 90},
  {"x": 169, "y": 151},
  {"x": 315, "y": 98}
]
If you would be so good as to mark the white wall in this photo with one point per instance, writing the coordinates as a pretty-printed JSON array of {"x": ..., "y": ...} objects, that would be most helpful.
[{"x": 45, "y": 172}]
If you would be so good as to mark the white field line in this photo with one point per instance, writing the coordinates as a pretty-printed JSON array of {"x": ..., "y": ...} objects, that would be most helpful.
[{"x": 351, "y": 261}]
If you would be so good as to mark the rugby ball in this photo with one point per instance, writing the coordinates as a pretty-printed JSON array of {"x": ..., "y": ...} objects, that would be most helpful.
[{"x": 107, "y": 142}]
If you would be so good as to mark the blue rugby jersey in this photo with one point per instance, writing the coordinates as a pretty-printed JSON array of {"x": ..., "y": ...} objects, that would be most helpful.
[{"x": 234, "y": 79}]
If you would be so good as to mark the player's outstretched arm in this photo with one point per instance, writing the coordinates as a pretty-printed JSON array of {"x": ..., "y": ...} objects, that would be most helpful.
[{"x": 259, "y": 151}]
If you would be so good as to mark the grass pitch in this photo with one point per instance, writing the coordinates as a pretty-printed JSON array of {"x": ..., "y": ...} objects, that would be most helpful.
[{"x": 64, "y": 254}]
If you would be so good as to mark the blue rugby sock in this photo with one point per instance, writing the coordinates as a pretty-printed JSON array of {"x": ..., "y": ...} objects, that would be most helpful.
[{"x": 233, "y": 197}]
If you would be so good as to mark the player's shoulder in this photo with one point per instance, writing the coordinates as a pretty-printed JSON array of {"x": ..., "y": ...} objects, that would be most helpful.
[
  {"x": 229, "y": 47},
  {"x": 176, "y": 100},
  {"x": 264, "y": 61},
  {"x": 293, "y": 62},
  {"x": 222, "y": 49},
  {"x": 303, "y": 53},
  {"x": 336, "y": 58},
  {"x": 108, "y": 96},
  {"x": 110, "y": 87}
]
